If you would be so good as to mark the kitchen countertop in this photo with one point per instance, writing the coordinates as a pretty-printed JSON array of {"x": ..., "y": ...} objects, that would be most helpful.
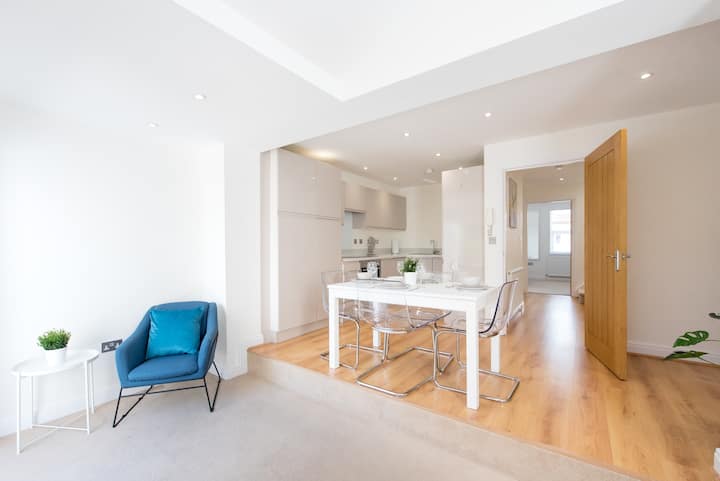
[{"x": 388, "y": 256}]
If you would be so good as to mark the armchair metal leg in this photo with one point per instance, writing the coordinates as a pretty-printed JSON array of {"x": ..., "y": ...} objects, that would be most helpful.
[
  {"x": 141, "y": 395},
  {"x": 117, "y": 421},
  {"x": 515, "y": 380},
  {"x": 211, "y": 405}
]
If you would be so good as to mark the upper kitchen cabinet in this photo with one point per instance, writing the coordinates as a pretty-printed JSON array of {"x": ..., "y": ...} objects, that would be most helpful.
[
  {"x": 398, "y": 212},
  {"x": 307, "y": 186},
  {"x": 384, "y": 210},
  {"x": 328, "y": 191},
  {"x": 355, "y": 197}
]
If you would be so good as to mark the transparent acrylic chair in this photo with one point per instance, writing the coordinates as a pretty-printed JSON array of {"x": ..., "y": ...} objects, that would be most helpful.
[
  {"x": 396, "y": 319},
  {"x": 489, "y": 327},
  {"x": 348, "y": 311}
]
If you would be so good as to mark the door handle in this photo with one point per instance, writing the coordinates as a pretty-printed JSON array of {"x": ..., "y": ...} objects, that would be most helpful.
[{"x": 617, "y": 257}]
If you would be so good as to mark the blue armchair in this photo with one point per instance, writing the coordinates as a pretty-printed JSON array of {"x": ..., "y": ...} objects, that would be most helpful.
[{"x": 134, "y": 370}]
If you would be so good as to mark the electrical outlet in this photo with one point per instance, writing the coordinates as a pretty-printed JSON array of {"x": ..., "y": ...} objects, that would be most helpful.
[{"x": 110, "y": 345}]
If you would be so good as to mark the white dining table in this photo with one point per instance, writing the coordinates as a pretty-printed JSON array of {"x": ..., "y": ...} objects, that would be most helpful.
[{"x": 434, "y": 296}]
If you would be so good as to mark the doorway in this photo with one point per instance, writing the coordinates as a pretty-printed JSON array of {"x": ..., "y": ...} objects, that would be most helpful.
[
  {"x": 549, "y": 247},
  {"x": 545, "y": 247}
]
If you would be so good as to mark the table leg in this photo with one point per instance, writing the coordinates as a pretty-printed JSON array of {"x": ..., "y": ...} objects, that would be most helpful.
[
  {"x": 473, "y": 359},
  {"x": 33, "y": 413},
  {"x": 495, "y": 354},
  {"x": 87, "y": 399},
  {"x": 19, "y": 413},
  {"x": 92, "y": 388},
  {"x": 333, "y": 331},
  {"x": 376, "y": 339}
]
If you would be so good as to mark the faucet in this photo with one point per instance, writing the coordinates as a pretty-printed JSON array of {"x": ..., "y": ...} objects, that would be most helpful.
[
  {"x": 371, "y": 243},
  {"x": 432, "y": 243}
]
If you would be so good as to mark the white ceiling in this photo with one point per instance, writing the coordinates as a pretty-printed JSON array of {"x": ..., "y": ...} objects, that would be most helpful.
[
  {"x": 118, "y": 64},
  {"x": 573, "y": 174},
  {"x": 601, "y": 88},
  {"x": 352, "y": 48}
]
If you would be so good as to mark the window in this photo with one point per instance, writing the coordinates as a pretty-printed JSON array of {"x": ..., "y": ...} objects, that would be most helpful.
[
  {"x": 533, "y": 234},
  {"x": 560, "y": 231}
]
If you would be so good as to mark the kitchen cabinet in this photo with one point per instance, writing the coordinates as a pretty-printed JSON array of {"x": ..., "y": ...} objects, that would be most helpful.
[
  {"x": 295, "y": 183},
  {"x": 437, "y": 265},
  {"x": 351, "y": 266},
  {"x": 302, "y": 202},
  {"x": 388, "y": 267},
  {"x": 384, "y": 210},
  {"x": 299, "y": 286},
  {"x": 328, "y": 191},
  {"x": 355, "y": 197},
  {"x": 398, "y": 212},
  {"x": 308, "y": 186}
]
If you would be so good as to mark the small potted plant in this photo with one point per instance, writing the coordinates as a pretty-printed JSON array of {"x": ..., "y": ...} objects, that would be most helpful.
[
  {"x": 55, "y": 343},
  {"x": 409, "y": 270}
]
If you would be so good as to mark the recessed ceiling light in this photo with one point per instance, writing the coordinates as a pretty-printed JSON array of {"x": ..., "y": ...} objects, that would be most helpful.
[
  {"x": 395, "y": 179},
  {"x": 562, "y": 179},
  {"x": 437, "y": 154},
  {"x": 488, "y": 114},
  {"x": 460, "y": 168},
  {"x": 365, "y": 167},
  {"x": 407, "y": 134},
  {"x": 559, "y": 167},
  {"x": 646, "y": 75},
  {"x": 152, "y": 125},
  {"x": 429, "y": 170},
  {"x": 199, "y": 97}
]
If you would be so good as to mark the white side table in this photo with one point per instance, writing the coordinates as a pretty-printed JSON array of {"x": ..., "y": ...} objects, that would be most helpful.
[{"x": 38, "y": 366}]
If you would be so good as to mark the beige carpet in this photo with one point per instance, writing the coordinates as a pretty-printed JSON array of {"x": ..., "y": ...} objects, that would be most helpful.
[{"x": 258, "y": 431}]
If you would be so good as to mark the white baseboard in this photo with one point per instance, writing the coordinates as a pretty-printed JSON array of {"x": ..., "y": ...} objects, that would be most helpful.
[
  {"x": 657, "y": 350},
  {"x": 284, "y": 335}
]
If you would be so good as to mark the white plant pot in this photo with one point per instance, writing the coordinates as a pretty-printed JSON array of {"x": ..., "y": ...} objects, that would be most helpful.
[
  {"x": 56, "y": 357},
  {"x": 410, "y": 278}
]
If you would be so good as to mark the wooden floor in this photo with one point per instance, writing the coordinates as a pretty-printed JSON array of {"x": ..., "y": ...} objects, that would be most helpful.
[{"x": 662, "y": 423}]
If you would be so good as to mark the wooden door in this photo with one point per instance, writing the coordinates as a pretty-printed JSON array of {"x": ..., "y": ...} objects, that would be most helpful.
[{"x": 605, "y": 253}]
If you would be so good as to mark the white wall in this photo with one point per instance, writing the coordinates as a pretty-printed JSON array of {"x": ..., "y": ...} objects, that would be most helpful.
[
  {"x": 673, "y": 220},
  {"x": 94, "y": 230},
  {"x": 242, "y": 255},
  {"x": 424, "y": 217},
  {"x": 463, "y": 218}
]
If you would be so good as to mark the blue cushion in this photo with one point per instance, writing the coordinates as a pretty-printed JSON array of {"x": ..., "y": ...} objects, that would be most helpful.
[
  {"x": 174, "y": 332},
  {"x": 165, "y": 367}
]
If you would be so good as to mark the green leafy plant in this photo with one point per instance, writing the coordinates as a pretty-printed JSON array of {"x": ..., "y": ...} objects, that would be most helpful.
[
  {"x": 54, "y": 339},
  {"x": 691, "y": 338},
  {"x": 410, "y": 264}
]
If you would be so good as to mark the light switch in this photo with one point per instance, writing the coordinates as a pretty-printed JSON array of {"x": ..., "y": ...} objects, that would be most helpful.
[{"x": 492, "y": 240}]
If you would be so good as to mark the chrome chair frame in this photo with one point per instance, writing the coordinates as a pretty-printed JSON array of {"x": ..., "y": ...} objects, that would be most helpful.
[
  {"x": 361, "y": 379},
  {"x": 493, "y": 329},
  {"x": 346, "y": 275}
]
